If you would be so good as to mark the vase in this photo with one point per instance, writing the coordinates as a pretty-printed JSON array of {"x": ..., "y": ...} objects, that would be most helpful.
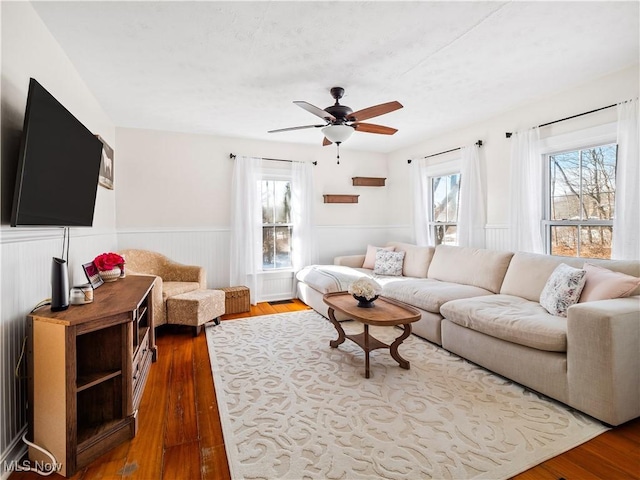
[
  {"x": 363, "y": 302},
  {"x": 110, "y": 275}
]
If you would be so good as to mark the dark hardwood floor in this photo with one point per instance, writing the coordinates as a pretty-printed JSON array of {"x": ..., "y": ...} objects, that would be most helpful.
[{"x": 180, "y": 436}]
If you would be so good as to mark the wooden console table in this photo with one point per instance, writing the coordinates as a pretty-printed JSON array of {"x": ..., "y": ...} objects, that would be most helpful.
[{"x": 87, "y": 368}]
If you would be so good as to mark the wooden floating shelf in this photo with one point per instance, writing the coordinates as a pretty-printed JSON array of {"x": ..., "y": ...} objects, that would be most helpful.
[
  {"x": 368, "y": 181},
  {"x": 340, "y": 198}
]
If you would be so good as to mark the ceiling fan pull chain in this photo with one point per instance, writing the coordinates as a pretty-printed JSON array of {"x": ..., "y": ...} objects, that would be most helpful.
[{"x": 338, "y": 156}]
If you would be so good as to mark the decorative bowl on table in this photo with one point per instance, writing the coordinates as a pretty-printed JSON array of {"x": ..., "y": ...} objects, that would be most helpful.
[
  {"x": 364, "y": 302},
  {"x": 110, "y": 275}
]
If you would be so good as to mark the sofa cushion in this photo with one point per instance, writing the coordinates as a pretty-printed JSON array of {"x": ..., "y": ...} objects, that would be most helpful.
[
  {"x": 510, "y": 318},
  {"x": 604, "y": 284},
  {"x": 389, "y": 263},
  {"x": 169, "y": 289},
  {"x": 528, "y": 272},
  {"x": 563, "y": 289},
  {"x": 370, "y": 257},
  {"x": 429, "y": 294},
  {"x": 416, "y": 258},
  {"x": 470, "y": 266}
]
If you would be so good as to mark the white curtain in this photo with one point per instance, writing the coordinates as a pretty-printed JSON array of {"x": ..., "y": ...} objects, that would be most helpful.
[
  {"x": 527, "y": 181},
  {"x": 246, "y": 225},
  {"x": 303, "y": 242},
  {"x": 626, "y": 223},
  {"x": 421, "y": 202},
  {"x": 471, "y": 212}
]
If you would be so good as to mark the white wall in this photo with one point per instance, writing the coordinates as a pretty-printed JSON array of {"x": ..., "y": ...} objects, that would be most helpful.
[
  {"x": 495, "y": 152},
  {"x": 174, "y": 190},
  {"x": 188, "y": 177},
  {"x": 29, "y": 50}
]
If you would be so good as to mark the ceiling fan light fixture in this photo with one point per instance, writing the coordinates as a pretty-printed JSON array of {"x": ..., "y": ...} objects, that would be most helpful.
[{"x": 338, "y": 133}]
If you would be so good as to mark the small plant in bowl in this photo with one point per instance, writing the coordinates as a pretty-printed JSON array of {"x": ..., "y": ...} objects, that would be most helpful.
[{"x": 366, "y": 290}]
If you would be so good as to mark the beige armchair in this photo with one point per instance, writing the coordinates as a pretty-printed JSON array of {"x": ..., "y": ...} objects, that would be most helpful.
[{"x": 172, "y": 278}]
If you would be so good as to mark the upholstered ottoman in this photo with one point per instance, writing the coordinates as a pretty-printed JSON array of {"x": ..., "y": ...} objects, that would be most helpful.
[{"x": 196, "y": 308}]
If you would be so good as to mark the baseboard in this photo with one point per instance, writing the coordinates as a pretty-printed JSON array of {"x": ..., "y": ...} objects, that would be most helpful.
[{"x": 13, "y": 455}]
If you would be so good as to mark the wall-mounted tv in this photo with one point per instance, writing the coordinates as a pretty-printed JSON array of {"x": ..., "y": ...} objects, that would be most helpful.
[{"x": 58, "y": 166}]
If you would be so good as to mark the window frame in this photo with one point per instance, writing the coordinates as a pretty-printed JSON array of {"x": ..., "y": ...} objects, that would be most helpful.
[
  {"x": 275, "y": 174},
  {"x": 442, "y": 169},
  {"x": 579, "y": 140}
]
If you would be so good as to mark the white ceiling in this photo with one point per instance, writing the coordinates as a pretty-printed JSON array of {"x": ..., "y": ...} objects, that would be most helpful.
[{"x": 234, "y": 68}]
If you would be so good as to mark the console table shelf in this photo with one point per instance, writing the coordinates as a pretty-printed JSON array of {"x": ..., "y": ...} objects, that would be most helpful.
[
  {"x": 91, "y": 380},
  {"x": 87, "y": 367}
]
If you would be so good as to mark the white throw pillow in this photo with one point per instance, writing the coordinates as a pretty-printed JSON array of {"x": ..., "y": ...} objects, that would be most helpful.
[
  {"x": 388, "y": 263},
  {"x": 370, "y": 257},
  {"x": 563, "y": 289}
]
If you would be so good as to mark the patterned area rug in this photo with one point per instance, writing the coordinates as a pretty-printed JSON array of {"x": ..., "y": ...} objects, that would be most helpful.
[{"x": 292, "y": 407}]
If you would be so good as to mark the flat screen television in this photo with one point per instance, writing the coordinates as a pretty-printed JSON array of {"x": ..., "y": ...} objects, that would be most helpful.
[{"x": 58, "y": 166}]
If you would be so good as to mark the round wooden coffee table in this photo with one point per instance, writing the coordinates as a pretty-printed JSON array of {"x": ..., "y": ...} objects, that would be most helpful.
[{"x": 385, "y": 313}]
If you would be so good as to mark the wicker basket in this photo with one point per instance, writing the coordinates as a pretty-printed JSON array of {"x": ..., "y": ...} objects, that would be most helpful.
[{"x": 236, "y": 299}]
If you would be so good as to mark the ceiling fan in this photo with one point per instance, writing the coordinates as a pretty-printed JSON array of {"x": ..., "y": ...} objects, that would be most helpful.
[{"x": 341, "y": 121}]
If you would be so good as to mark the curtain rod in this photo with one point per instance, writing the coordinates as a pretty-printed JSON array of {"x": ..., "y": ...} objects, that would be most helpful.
[
  {"x": 233, "y": 155},
  {"x": 478, "y": 143},
  {"x": 508, "y": 134}
]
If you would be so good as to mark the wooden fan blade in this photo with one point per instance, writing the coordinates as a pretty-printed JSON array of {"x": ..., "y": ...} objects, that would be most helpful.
[
  {"x": 326, "y": 142},
  {"x": 315, "y": 110},
  {"x": 372, "y": 128},
  {"x": 374, "y": 111},
  {"x": 295, "y": 128}
]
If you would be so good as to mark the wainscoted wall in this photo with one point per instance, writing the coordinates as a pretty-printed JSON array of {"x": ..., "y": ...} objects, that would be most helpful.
[
  {"x": 209, "y": 247},
  {"x": 25, "y": 264},
  {"x": 497, "y": 237}
]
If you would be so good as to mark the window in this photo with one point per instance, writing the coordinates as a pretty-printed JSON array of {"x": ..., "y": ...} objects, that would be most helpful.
[
  {"x": 580, "y": 201},
  {"x": 276, "y": 223},
  {"x": 445, "y": 196}
]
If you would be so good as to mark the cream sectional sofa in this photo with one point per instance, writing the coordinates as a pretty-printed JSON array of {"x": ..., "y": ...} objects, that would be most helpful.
[{"x": 484, "y": 306}]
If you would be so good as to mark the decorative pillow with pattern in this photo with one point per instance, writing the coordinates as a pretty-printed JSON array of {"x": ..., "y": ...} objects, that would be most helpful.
[
  {"x": 563, "y": 289},
  {"x": 388, "y": 263}
]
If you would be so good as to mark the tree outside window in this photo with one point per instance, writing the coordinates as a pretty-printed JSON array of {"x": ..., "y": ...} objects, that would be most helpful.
[
  {"x": 581, "y": 202},
  {"x": 276, "y": 224},
  {"x": 445, "y": 197}
]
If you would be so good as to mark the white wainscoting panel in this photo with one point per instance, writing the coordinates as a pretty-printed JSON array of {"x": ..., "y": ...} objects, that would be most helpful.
[
  {"x": 209, "y": 247},
  {"x": 497, "y": 237},
  {"x": 25, "y": 271},
  {"x": 277, "y": 285}
]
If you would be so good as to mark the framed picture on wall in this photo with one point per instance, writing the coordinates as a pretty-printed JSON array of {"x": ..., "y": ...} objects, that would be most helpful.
[{"x": 106, "y": 165}]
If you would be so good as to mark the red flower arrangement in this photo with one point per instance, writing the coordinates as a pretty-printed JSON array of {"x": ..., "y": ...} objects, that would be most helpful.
[{"x": 108, "y": 261}]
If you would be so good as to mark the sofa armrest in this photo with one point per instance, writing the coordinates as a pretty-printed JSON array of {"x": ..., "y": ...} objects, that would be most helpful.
[
  {"x": 353, "y": 261},
  {"x": 177, "y": 272},
  {"x": 603, "y": 358}
]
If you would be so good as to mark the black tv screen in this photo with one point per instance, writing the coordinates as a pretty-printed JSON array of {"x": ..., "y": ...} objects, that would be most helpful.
[{"x": 58, "y": 166}]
